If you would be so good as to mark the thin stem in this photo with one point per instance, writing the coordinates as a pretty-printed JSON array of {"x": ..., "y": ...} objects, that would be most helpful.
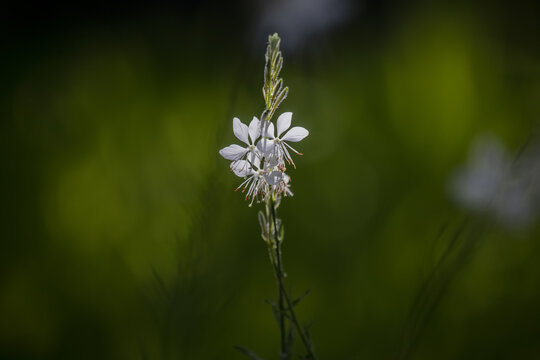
[
  {"x": 284, "y": 352},
  {"x": 307, "y": 344},
  {"x": 279, "y": 272}
]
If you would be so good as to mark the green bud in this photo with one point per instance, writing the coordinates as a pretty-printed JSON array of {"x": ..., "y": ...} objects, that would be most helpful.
[{"x": 281, "y": 233}]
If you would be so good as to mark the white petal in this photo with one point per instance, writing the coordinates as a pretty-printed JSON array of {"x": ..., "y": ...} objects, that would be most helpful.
[
  {"x": 233, "y": 152},
  {"x": 283, "y": 122},
  {"x": 240, "y": 130},
  {"x": 265, "y": 146},
  {"x": 270, "y": 131},
  {"x": 273, "y": 178},
  {"x": 256, "y": 162},
  {"x": 241, "y": 168},
  {"x": 271, "y": 161},
  {"x": 286, "y": 178},
  {"x": 252, "y": 155},
  {"x": 254, "y": 129},
  {"x": 296, "y": 134}
]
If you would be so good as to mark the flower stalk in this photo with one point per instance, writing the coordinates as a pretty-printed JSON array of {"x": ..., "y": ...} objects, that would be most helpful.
[{"x": 261, "y": 162}]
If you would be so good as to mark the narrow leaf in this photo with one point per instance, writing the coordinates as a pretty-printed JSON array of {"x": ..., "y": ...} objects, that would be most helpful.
[
  {"x": 264, "y": 225},
  {"x": 278, "y": 100},
  {"x": 298, "y": 299},
  {"x": 281, "y": 235},
  {"x": 275, "y": 311},
  {"x": 306, "y": 331},
  {"x": 248, "y": 353},
  {"x": 290, "y": 338}
]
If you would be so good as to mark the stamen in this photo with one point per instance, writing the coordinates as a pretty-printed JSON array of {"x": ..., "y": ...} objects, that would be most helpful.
[
  {"x": 290, "y": 147},
  {"x": 245, "y": 182},
  {"x": 288, "y": 156}
]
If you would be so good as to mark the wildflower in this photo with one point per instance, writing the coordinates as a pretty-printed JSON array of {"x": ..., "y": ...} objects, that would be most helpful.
[
  {"x": 262, "y": 165},
  {"x": 279, "y": 143},
  {"x": 245, "y": 134},
  {"x": 255, "y": 182},
  {"x": 261, "y": 161}
]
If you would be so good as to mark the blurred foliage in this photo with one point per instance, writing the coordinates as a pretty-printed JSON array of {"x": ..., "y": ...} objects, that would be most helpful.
[{"x": 122, "y": 236}]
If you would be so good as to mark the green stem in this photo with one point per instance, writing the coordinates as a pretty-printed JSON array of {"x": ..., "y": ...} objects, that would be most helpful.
[
  {"x": 275, "y": 250},
  {"x": 282, "y": 329},
  {"x": 307, "y": 344},
  {"x": 277, "y": 261}
]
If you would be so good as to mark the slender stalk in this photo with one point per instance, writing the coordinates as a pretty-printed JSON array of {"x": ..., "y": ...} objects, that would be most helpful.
[
  {"x": 305, "y": 341},
  {"x": 277, "y": 262},
  {"x": 275, "y": 257},
  {"x": 282, "y": 328},
  {"x": 270, "y": 165},
  {"x": 284, "y": 352}
]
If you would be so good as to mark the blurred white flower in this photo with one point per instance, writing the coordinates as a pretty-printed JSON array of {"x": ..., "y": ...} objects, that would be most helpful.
[
  {"x": 494, "y": 184},
  {"x": 475, "y": 185}
]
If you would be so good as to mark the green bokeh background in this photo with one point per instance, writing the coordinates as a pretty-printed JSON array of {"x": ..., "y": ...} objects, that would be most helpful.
[{"x": 122, "y": 237}]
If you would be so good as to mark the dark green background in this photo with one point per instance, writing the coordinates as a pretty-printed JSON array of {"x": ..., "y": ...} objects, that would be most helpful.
[{"x": 122, "y": 237}]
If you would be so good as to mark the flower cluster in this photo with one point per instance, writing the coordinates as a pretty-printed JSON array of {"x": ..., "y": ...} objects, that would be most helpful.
[{"x": 261, "y": 161}]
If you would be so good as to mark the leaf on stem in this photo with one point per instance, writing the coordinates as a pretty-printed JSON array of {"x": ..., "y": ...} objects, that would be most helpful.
[
  {"x": 275, "y": 310},
  {"x": 281, "y": 231},
  {"x": 264, "y": 227},
  {"x": 248, "y": 353},
  {"x": 298, "y": 299},
  {"x": 290, "y": 338},
  {"x": 307, "y": 326}
]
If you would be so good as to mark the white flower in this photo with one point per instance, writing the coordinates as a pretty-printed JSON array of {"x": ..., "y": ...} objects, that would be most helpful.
[
  {"x": 245, "y": 134},
  {"x": 279, "y": 181},
  {"x": 261, "y": 180},
  {"x": 279, "y": 143},
  {"x": 263, "y": 165},
  {"x": 255, "y": 184}
]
